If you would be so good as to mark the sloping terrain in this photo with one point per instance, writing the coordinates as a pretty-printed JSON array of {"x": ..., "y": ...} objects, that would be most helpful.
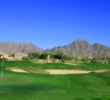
[
  {"x": 24, "y": 47},
  {"x": 82, "y": 48},
  {"x": 79, "y": 48}
]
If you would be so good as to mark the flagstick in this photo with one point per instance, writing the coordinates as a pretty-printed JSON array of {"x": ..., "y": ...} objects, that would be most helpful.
[{"x": 2, "y": 68}]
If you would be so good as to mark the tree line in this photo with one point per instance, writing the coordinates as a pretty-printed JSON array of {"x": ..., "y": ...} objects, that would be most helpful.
[{"x": 58, "y": 55}]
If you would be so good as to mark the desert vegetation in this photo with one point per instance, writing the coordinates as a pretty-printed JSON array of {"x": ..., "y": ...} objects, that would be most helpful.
[{"x": 60, "y": 57}]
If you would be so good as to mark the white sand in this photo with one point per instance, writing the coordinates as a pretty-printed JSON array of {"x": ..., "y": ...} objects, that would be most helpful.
[
  {"x": 14, "y": 69},
  {"x": 61, "y": 71},
  {"x": 75, "y": 71},
  {"x": 101, "y": 71},
  {"x": 68, "y": 71}
]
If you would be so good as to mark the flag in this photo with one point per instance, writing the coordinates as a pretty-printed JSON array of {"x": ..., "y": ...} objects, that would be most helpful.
[{"x": 2, "y": 57}]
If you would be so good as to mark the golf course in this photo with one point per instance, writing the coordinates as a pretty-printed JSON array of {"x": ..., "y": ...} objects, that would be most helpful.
[{"x": 27, "y": 80}]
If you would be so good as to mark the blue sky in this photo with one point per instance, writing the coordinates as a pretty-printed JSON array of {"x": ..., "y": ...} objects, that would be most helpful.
[{"x": 50, "y": 23}]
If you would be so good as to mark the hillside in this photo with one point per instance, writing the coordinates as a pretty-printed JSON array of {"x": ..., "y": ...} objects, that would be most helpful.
[
  {"x": 24, "y": 47},
  {"x": 78, "y": 48},
  {"x": 82, "y": 48}
]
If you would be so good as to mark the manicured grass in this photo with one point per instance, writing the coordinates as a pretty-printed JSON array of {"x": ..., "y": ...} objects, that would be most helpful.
[
  {"x": 31, "y": 86},
  {"x": 29, "y": 64}
]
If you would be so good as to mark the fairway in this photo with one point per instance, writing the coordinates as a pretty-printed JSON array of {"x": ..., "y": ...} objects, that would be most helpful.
[{"x": 40, "y": 85}]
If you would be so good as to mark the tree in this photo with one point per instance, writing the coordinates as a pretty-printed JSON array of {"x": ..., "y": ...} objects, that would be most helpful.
[
  {"x": 11, "y": 55},
  {"x": 33, "y": 55},
  {"x": 85, "y": 59},
  {"x": 58, "y": 55},
  {"x": 43, "y": 56}
]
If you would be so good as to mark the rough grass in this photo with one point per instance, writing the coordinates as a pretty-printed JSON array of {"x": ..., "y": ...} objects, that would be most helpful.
[{"x": 30, "y": 86}]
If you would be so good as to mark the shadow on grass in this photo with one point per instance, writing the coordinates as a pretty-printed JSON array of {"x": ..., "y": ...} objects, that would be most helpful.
[{"x": 27, "y": 88}]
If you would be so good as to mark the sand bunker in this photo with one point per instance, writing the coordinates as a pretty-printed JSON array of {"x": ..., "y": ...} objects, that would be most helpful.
[
  {"x": 68, "y": 71},
  {"x": 57, "y": 71},
  {"x": 75, "y": 71},
  {"x": 101, "y": 71},
  {"x": 15, "y": 69}
]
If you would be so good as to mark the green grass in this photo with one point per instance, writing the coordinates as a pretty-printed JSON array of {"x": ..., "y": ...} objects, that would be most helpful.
[
  {"x": 31, "y": 86},
  {"x": 29, "y": 64}
]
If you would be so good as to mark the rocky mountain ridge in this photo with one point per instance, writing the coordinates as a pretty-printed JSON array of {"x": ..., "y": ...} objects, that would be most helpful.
[
  {"x": 82, "y": 48},
  {"x": 79, "y": 48},
  {"x": 23, "y": 47}
]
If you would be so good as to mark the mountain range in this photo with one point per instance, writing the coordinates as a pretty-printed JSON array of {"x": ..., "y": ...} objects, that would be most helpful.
[
  {"x": 23, "y": 47},
  {"x": 80, "y": 48}
]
